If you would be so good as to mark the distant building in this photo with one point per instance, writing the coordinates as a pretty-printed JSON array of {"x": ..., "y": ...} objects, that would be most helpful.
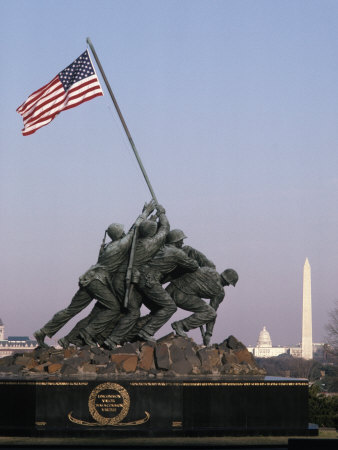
[
  {"x": 14, "y": 343},
  {"x": 307, "y": 348},
  {"x": 264, "y": 348}
]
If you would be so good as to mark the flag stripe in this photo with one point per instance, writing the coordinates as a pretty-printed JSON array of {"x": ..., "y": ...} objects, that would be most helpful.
[
  {"x": 31, "y": 129},
  {"x": 43, "y": 105},
  {"x": 70, "y": 104},
  {"x": 76, "y": 84},
  {"x": 56, "y": 90},
  {"x": 58, "y": 100},
  {"x": 58, "y": 104},
  {"x": 33, "y": 97}
]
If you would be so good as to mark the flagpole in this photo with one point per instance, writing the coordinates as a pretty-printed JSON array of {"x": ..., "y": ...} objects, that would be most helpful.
[{"x": 89, "y": 42}]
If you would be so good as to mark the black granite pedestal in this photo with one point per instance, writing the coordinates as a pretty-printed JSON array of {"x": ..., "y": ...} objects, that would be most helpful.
[{"x": 154, "y": 407}]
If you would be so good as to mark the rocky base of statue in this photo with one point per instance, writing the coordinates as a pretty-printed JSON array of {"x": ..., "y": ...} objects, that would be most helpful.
[
  {"x": 173, "y": 387},
  {"x": 170, "y": 356}
]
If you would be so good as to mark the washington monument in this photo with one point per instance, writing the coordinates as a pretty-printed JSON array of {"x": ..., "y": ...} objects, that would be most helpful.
[{"x": 307, "y": 352}]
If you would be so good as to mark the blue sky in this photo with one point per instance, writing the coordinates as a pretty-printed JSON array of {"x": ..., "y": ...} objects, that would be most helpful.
[{"x": 233, "y": 107}]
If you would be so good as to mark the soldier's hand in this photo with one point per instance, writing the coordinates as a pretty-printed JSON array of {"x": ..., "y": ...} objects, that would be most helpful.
[
  {"x": 160, "y": 209},
  {"x": 149, "y": 207}
]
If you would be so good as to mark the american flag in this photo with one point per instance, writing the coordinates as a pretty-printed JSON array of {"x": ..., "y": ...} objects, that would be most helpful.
[{"x": 76, "y": 84}]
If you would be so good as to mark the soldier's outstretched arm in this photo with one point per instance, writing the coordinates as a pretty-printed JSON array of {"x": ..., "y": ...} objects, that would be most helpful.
[
  {"x": 163, "y": 229},
  {"x": 198, "y": 256},
  {"x": 148, "y": 208},
  {"x": 186, "y": 263}
]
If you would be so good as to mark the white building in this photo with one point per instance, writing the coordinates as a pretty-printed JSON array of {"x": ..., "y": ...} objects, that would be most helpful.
[
  {"x": 264, "y": 348},
  {"x": 14, "y": 343}
]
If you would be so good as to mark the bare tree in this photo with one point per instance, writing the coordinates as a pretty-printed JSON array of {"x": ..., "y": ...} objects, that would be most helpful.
[{"x": 332, "y": 331}]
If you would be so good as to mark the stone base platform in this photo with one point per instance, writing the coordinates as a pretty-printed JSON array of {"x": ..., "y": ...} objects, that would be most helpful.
[{"x": 122, "y": 406}]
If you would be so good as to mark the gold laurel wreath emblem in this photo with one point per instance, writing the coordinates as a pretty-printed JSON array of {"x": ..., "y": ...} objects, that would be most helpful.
[{"x": 100, "y": 420}]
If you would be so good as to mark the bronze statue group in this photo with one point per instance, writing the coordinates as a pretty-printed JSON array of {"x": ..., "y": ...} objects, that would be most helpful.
[{"x": 132, "y": 270}]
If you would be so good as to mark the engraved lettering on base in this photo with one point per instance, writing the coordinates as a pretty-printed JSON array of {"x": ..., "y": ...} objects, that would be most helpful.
[
  {"x": 109, "y": 404},
  {"x": 41, "y": 424},
  {"x": 176, "y": 423}
]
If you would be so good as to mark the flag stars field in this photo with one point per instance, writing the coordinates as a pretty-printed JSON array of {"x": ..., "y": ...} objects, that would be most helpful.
[
  {"x": 72, "y": 86},
  {"x": 78, "y": 70}
]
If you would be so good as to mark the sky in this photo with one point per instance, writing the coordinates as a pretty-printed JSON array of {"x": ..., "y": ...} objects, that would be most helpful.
[{"x": 233, "y": 107}]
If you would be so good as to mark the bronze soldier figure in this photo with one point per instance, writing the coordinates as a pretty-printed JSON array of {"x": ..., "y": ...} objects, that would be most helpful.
[
  {"x": 170, "y": 262},
  {"x": 176, "y": 237},
  {"x": 96, "y": 282},
  {"x": 78, "y": 335},
  {"x": 188, "y": 291},
  {"x": 169, "y": 259},
  {"x": 101, "y": 323}
]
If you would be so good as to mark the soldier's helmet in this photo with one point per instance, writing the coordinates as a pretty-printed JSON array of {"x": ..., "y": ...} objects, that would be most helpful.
[
  {"x": 175, "y": 236},
  {"x": 115, "y": 231},
  {"x": 147, "y": 228},
  {"x": 230, "y": 276}
]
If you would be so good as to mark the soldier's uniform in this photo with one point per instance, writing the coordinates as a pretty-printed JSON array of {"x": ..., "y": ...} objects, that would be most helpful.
[
  {"x": 167, "y": 260},
  {"x": 146, "y": 248},
  {"x": 74, "y": 336},
  {"x": 198, "y": 256},
  {"x": 188, "y": 291},
  {"x": 95, "y": 284}
]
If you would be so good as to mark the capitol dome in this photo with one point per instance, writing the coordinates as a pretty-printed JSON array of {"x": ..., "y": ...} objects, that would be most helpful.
[{"x": 264, "y": 339}]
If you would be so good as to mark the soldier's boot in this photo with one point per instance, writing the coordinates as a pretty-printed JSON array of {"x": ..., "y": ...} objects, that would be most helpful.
[
  {"x": 77, "y": 341},
  {"x": 178, "y": 328},
  {"x": 206, "y": 338},
  {"x": 40, "y": 337},
  {"x": 87, "y": 338},
  {"x": 100, "y": 340},
  {"x": 63, "y": 342},
  {"x": 109, "y": 344},
  {"x": 145, "y": 336}
]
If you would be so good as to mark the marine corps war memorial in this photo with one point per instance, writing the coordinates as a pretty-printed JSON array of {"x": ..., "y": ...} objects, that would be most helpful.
[{"x": 116, "y": 373}]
